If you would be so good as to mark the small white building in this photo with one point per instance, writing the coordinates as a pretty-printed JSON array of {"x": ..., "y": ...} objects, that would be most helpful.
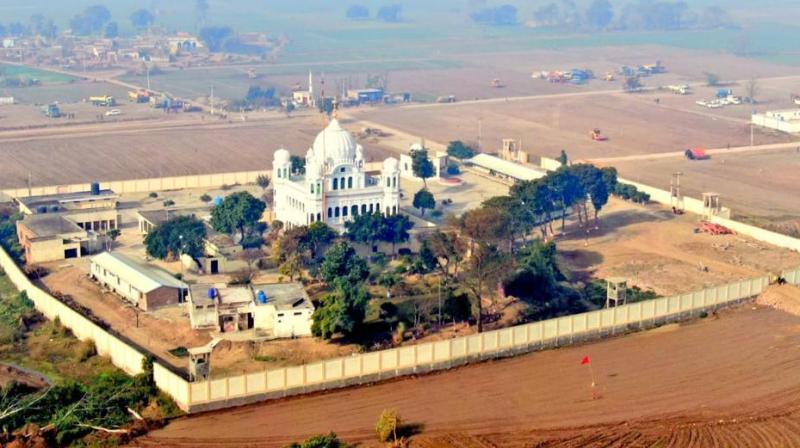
[
  {"x": 439, "y": 160},
  {"x": 781, "y": 120},
  {"x": 336, "y": 186},
  {"x": 147, "y": 287},
  {"x": 280, "y": 310},
  {"x": 283, "y": 309}
]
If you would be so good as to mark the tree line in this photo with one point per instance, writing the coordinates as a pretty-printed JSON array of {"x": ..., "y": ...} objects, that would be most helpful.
[
  {"x": 387, "y": 13},
  {"x": 646, "y": 15}
]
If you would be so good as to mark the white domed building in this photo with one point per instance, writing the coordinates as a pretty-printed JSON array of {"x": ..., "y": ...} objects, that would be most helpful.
[{"x": 336, "y": 186}]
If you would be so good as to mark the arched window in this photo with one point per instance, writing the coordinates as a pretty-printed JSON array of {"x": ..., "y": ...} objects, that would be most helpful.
[
  {"x": 336, "y": 212},
  {"x": 371, "y": 210},
  {"x": 319, "y": 217},
  {"x": 363, "y": 209},
  {"x": 311, "y": 218},
  {"x": 344, "y": 211},
  {"x": 330, "y": 212},
  {"x": 312, "y": 188},
  {"x": 388, "y": 181},
  {"x": 354, "y": 210},
  {"x": 387, "y": 211},
  {"x": 394, "y": 209},
  {"x": 377, "y": 208},
  {"x": 350, "y": 182},
  {"x": 335, "y": 184}
]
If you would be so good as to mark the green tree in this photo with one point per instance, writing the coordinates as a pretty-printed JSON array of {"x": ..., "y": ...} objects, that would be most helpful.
[
  {"x": 421, "y": 165},
  {"x": 291, "y": 267},
  {"x": 239, "y": 211},
  {"x": 263, "y": 181},
  {"x": 341, "y": 311},
  {"x": 395, "y": 230},
  {"x": 342, "y": 267},
  {"x": 214, "y": 37},
  {"x": 387, "y": 426},
  {"x": 460, "y": 150},
  {"x": 449, "y": 250},
  {"x": 112, "y": 30},
  {"x": 487, "y": 266},
  {"x": 321, "y": 441},
  {"x": 423, "y": 199},
  {"x": 599, "y": 14},
  {"x": 367, "y": 228},
  {"x": 298, "y": 164},
  {"x": 179, "y": 235},
  {"x": 318, "y": 236},
  {"x": 142, "y": 19}
]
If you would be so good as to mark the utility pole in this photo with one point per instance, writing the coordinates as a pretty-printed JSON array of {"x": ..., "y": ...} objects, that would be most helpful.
[
  {"x": 480, "y": 132},
  {"x": 211, "y": 100},
  {"x": 147, "y": 69},
  {"x": 752, "y": 133}
]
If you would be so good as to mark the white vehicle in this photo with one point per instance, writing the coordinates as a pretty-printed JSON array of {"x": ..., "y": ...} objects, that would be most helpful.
[
  {"x": 701, "y": 103},
  {"x": 113, "y": 113}
]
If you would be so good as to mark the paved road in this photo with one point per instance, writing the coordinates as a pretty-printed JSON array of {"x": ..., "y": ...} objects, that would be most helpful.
[{"x": 711, "y": 152}]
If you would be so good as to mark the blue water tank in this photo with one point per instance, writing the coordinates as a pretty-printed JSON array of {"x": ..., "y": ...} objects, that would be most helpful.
[
  {"x": 212, "y": 293},
  {"x": 261, "y": 297},
  {"x": 218, "y": 201},
  {"x": 95, "y": 188}
]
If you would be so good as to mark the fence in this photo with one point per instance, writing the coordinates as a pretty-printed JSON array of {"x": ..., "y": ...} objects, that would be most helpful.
[
  {"x": 374, "y": 366},
  {"x": 421, "y": 358},
  {"x": 144, "y": 185}
]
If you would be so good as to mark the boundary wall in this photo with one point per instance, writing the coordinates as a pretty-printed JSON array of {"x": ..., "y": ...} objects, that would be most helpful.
[
  {"x": 144, "y": 185},
  {"x": 375, "y": 366}
]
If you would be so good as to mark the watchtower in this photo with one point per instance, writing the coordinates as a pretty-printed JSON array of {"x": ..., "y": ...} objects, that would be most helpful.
[
  {"x": 199, "y": 363},
  {"x": 616, "y": 292},
  {"x": 711, "y": 205},
  {"x": 675, "y": 194}
]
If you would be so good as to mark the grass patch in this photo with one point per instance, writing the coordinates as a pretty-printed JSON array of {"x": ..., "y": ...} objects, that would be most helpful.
[{"x": 266, "y": 358}]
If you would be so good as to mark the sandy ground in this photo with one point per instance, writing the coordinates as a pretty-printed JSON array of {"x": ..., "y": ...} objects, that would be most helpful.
[
  {"x": 655, "y": 249},
  {"x": 753, "y": 184},
  {"x": 675, "y": 386},
  {"x": 159, "y": 331},
  {"x": 135, "y": 150}
]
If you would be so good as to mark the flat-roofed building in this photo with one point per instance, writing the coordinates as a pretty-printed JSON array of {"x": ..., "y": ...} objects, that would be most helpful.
[
  {"x": 280, "y": 310},
  {"x": 66, "y": 225},
  {"x": 147, "y": 287},
  {"x": 504, "y": 169}
]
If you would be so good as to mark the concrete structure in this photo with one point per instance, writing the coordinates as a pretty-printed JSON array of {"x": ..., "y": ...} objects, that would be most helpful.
[
  {"x": 147, "y": 287},
  {"x": 439, "y": 160},
  {"x": 284, "y": 310},
  {"x": 781, "y": 120},
  {"x": 504, "y": 169},
  {"x": 273, "y": 310},
  {"x": 616, "y": 292},
  {"x": 69, "y": 225},
  {"x": 52, "y": 237},
  {"x": 336, "y": 186}
]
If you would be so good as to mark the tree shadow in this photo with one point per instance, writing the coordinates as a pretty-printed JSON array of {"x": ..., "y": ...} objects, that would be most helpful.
[
  {"x": 611, "y": 223},
  {"x": 407, "y": 430}
]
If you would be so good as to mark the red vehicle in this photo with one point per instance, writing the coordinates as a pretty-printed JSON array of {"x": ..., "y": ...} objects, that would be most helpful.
[{"x": 696, "y": 154}]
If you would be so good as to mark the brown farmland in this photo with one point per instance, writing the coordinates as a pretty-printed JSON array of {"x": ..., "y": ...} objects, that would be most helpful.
[{"x": 675, "y": 386}]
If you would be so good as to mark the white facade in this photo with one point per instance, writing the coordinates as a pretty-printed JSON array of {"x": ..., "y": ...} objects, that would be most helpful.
[
  {"x": 782, "y": 120},
  {"x": 336, "y": 186}
]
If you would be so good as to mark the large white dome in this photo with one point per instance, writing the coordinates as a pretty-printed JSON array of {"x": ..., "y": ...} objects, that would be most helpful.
[{"x": 335, "y": 145}]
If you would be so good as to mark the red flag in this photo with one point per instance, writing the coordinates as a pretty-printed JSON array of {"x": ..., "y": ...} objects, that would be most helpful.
[{"x": 585, "y": 360}]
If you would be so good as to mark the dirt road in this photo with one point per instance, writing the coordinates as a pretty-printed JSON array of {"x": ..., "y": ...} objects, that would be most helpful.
[{"x": 731, "y": 379}]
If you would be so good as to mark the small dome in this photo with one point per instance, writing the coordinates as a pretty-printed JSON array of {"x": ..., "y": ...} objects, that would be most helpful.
[
  {"x": 335, "y": 144},
  {"x": 391, "y": 165},
  {"x": 282, "y": 156}
]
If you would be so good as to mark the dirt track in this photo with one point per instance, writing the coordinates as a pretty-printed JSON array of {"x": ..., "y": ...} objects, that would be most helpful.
[{"x": 673, "y": 386}]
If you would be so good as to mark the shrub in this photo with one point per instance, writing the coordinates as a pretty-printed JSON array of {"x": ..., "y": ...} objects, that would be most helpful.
[
  {"x": 379, "y": 259},
  {"x": 85, "y": 350},
  {"x": 169, "y": 203},
  {"x": 387, "y": 425},
  {"x": 153, "y": 195},
  {"x": 205, "y": 198},
  {"x": 179, "y": 352},
  {"x": 436, "y": 214},
  {"x": 320, "y": 441},
  {"x": 703, "y": 315}
]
